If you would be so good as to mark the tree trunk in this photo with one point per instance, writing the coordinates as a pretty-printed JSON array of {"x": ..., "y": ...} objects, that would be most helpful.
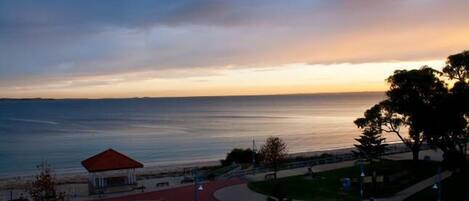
[
  {"x": 465, "y": 177},
  {"x": 415, "y": 154},
  {"x": 465, "y": 171},
  {"x": 275, "y": 171}
]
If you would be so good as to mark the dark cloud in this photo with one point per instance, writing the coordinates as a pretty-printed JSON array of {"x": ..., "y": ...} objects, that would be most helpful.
[{"x": 44, "y": 39}]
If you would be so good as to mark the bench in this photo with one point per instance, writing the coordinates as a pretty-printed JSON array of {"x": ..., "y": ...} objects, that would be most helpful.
[
  {"x": 368, "y": 179},
  {"x": 269, "y": 176},
  {"x": 161, "y": 184},
  {"x": 187, "y": 180},
  {"x": 142, "y": 188}
]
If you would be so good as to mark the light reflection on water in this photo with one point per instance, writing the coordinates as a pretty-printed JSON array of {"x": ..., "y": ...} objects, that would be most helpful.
[{"x": 64, "y": 132}]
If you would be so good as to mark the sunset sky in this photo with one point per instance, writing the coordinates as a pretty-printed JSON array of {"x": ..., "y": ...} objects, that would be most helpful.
[{"x": 95, "y": 49}]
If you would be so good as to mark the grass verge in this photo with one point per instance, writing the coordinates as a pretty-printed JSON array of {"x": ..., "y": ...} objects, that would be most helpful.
[{"x": 328, "y": 185}]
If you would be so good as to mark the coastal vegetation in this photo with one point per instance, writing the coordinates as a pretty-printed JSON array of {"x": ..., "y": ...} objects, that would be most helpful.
[
  {"x": 43, "y": 188},
  {"x": 240, "y": 156}
]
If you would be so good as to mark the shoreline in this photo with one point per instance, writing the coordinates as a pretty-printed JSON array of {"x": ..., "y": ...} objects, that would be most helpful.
[
  {"x": 154, "y": 171},
  {"x": 153, "y": 165}
]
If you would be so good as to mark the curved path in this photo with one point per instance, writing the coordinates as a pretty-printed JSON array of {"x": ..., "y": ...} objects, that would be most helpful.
[
  {"x": 185, "y": 193},
  {"x": 238, "y": 192},
  {"x": 406, "y": 193}
]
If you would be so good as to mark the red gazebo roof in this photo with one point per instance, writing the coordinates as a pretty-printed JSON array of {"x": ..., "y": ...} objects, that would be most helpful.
[{"x": 110, "y": 160}]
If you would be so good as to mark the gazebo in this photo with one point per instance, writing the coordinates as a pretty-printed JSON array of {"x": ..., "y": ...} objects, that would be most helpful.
[{"x": 111, "y": 171}]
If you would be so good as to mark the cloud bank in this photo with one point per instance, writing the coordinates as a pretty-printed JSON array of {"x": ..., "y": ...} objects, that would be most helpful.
[{"x": 44, "y": 41}]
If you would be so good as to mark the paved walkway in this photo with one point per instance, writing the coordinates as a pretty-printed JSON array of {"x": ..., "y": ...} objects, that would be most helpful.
[
  {"x": 435, "y": 155},
  {"x": 400, "y": 196},
  {"x": 239, "y": 192},
  {"x": 300, "y": 171},
  {"x": 185, "y": 193}
]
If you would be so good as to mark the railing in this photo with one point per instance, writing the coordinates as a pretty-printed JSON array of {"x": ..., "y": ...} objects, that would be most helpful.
[{"x": 318, "y": 160}]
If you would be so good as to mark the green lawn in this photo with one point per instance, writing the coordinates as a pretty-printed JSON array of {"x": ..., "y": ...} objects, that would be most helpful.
[
  {"x": 328, "y": 187},
  {"x": 453, "y": 189}
]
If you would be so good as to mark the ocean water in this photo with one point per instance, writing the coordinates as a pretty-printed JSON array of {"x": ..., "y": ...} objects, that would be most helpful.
[{"x": 170, "y": 130}]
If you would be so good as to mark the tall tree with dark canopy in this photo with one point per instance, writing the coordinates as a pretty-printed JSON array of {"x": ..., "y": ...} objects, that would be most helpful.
[
  {"x": 410, "y": 99},
  {"x": 371, "y": 143},
  {"x": 421, "y": 101},
  {"x": 449, "y": 130},
  {"x": 274, "y": 152},
  {"x": 413, "y": 95},
  {"x": 452, "y": 127}
]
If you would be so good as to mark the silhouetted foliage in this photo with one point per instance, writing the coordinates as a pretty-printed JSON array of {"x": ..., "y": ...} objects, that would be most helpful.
[
  {"x": 43, "y": 188},
  {"x": 449, "y": 130},
  {"x": 273, "y": 152},
  {"x": 412, "y": 96},
  {"x": 371, "y": 143},
  {"x": 457, "y": 66},
  {"x": 420, "y": 101},
  {"x": 239, "y": 156}
]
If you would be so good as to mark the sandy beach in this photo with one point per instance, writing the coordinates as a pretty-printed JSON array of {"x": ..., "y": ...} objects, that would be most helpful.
[{"x": 152, "y": 171}]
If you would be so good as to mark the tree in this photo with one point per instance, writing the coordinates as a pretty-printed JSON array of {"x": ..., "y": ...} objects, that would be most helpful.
[
  {"x": 452, "y": 128},
  {"x": 43, "y": 188},
  {"x": 449, "y": 130},
  {"x": 412, "y": 96},
  {"x": 371, "y": 143},
  {"x": 411, "y": 99},
  {"x": 421, "y": 101},
  {"x": 274, "y": 152},
  {"x": 457, "y": 66}
]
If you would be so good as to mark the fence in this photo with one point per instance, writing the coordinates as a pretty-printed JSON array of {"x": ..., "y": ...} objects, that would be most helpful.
[{"x": 319, "y": 160}]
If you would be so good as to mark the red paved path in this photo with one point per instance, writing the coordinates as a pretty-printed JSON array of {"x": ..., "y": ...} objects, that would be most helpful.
[{"x": 185, "y": 193}]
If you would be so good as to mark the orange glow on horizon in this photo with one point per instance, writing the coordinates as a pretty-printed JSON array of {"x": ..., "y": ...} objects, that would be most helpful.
[{"x": 287, "y": 79}]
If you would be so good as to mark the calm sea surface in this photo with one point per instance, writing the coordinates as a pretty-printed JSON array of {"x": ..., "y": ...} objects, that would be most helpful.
[{"x": 168, "y": 130}]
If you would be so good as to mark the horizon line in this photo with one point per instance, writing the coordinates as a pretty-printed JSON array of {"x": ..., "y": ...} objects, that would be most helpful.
[{"x": 202, "y": 96}]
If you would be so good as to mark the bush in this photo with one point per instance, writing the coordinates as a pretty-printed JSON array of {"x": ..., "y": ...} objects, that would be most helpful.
[
  {"x": 43, "y": 188},
  {"x": 239, "y": 156}
]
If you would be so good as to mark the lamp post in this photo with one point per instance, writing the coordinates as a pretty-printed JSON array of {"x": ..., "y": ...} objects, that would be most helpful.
[
  {"x": 197, "y": 186},
  {"x": 437, "y": 185},
  {"x": 362, "y": 175},
  {"x": 253, "y": 153}
]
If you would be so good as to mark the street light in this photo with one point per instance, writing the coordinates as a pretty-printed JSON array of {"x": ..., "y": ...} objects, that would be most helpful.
[
  {"x": 437, "y": 185},
  {"x": 362, "y": 175},
  {"x": 197, "y": 186}
]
